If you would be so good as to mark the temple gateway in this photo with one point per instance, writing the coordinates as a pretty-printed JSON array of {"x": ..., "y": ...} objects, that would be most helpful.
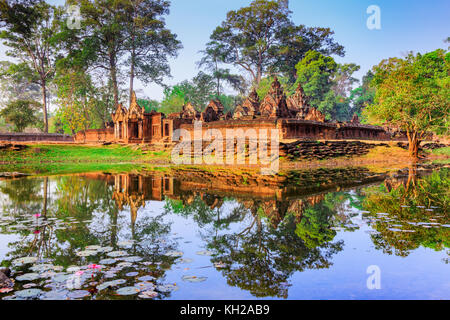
[{"x": 292, "y": 115}]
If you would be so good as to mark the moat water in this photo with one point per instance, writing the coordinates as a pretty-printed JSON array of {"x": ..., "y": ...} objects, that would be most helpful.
[{"x": 322, "y": 234}]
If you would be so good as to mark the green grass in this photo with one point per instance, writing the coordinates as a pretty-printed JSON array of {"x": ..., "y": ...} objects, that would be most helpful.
[
  {"x": 40, "y": 154},
  {"x": 442, "y": 151}
]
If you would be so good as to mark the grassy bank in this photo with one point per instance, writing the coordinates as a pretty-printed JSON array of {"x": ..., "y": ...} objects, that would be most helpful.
[
  {"x": 66, "y": 159},
  {"x": 47, "y": 154}
]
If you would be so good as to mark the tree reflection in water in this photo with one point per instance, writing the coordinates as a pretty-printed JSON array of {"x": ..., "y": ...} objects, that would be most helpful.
[
  {"x": 274, "y": 239},
  {"x": 259, "y": 236},
  {"x": 417, "y": 211}
]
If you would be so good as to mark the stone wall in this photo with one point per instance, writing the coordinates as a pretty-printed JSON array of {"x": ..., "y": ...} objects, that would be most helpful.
[
  {"x": 95, "y": 136},
  {"x": 325, "y": 150},
  {"x": 223, "y": 126},
  {"x": 35, "y": 137}
]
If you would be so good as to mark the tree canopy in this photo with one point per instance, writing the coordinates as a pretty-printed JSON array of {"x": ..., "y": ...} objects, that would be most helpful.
[
  {"x": 262, "y": 38},
  {"x": 412, "y": 94}
]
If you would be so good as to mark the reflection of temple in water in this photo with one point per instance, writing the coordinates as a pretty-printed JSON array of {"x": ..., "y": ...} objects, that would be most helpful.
[
  {"x": 273, "y": 201},
  {"x": 134, "y": 190}
]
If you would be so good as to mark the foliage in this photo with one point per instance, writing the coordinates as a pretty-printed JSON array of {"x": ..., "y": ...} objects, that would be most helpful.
[
  {"x": 74, "y": 101},
  {"x": 343, "y": 80},
  {"x": 149, "y": 43},
  {"x": 323, "y": 81},
  {"x": 405, "y": 200},
  {"x": 120, "y": 33},
  {"x": 213, "y": 57},
  {"x": 412, "y": 94},
  {"x": 266, "y": 82},
  {"x": 199, "y": 91},
  {"x": 27, "y": 31},
  {"x": 16, "y": 82},
  {"x": 261, "y": 38},
  {"x": 21, "y": 113},
  {"x": 315, "y": 73},
  {"x": 363, "y": 95},
  {"x": 149, "y": 104}
]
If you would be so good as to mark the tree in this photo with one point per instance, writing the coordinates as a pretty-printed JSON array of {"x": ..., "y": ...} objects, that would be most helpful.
[
  {"x": 327, "y": 84},
  {"x": 149, "y": 43},
  {"x": 315, "y": 73},
  {"x": 17, "y": 81},
  {"x": 266, "y": 83},
  {"x": 403, "y": 198},
  {"x": 211, "y": 61},
  {"x": 297, "y": 41},
  {"x": 363, "y": 95},
  {"x": 199, "y": 91},
  {"x": 28, "y": 28},
  {"x": 75, "y": 101},
  {"x": 102, "y": 38},
  {"x": 21, "y": 113},
  {"x": 343, "y": 80},
  {"x": 262, "y": 38},
  {"x": 412, "y": 94},
  {"x": 149, "y": 104}
]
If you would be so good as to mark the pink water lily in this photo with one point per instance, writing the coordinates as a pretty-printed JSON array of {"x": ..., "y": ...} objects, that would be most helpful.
[
  {"x": 94, "y": 266},
  {"x": 37, "y": 232},
  {"x": 37, "y": 215}
]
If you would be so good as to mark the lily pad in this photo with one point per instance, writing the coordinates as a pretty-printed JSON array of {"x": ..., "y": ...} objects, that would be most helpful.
[
  {"x": 25, "y": 260},
  {"x": 220, "y": 265},
  {"x": 185, "y": 260},
  {"x": 146, "y": 278},
  {"x": 87, "y": 253},
  {"x": 115, "y": 254},
  {"x": 127, "y": 291},
  {"x": 108, "y": 284},
  {"x": 28, "y": 277},
  {"x": 55, "y": 295},
  {"x": 42, "y": 267},
  {"x": 144, "y": 286},
  {"x": 124, "y": 265},
  {"x": 193, "y": 279},
  {"x": 167, "y": 288},
  {"x": 174, "y": 254},
  {"x": 132, "y": 274},
  {"x": 61, "y": 277},
  {"x": 204, "y": 253},
  {"x": 132, "y": 259},
  {"x": 148, "y": 294},
  {"x": 108, "y": 261},
  {"x": 28, "y": 293},
  {"x": 125, "y": 244},
  {"x": 94, "y": 248},
  {"x": 77, "y": 294},
  {"x": 73, "y": 269}
]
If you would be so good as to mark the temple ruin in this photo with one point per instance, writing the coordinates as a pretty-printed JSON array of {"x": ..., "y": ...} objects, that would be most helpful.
[{"x": 292, "y": 116}]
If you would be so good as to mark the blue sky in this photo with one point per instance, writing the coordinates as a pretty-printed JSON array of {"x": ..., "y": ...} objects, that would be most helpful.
[{"x": 406, "y": 25}]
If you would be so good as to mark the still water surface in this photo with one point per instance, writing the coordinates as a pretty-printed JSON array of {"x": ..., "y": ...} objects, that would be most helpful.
[{"x": 305, "y": 235}]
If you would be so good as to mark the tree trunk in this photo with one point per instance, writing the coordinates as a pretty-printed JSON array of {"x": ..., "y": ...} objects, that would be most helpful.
[
  {"x": 113, "y": 74},
  {"x": 133, "y": 61},
  {"x": 414, "y": 143},
  {"x": 44, "y": 212},
  {"x": 44, "y": 104}
]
